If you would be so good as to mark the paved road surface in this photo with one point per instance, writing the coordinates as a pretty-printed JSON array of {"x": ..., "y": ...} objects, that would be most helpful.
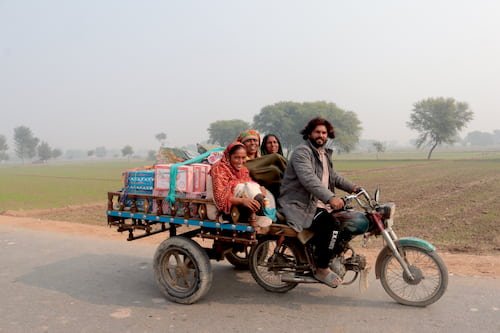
[{"x": 53, "y": 282}]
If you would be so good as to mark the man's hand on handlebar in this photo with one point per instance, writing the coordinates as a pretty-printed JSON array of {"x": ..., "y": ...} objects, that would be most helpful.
[
  {"x": 356, "y": 189},
  {"x": 336, "y": 203}
]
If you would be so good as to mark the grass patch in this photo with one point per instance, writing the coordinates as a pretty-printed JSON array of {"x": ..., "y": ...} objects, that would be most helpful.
[{"x": 51, "y": 186}]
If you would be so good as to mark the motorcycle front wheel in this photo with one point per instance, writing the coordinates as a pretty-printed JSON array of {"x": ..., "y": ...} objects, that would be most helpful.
[
  {"x": 268, "y": 263},
  {"x": 429, "y": 272}
]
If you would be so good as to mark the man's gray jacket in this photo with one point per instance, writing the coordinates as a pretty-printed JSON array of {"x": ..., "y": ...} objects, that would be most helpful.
[{"x": 301, "y": 187}]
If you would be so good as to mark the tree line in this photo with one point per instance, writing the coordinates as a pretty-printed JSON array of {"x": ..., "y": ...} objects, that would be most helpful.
[
  {"x": 27, "y": 146},
  {"x": 286, "y": 119},
  {"x": 437, "y": 120},
  {"x": 478, "y": 138}
]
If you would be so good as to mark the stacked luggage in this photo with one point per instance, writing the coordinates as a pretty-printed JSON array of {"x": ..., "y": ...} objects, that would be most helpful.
[{"x": 148, "y": 189}]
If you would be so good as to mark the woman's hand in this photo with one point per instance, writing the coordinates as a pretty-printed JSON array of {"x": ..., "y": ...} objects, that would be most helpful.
[{"x": 254, "y": 205}]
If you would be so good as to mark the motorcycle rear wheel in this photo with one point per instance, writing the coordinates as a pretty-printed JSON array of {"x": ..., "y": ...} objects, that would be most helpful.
[
  {"x": 238, "y": 257},
  {"x": 429, "y": 270},
  {"x": 268, "y": 265}
]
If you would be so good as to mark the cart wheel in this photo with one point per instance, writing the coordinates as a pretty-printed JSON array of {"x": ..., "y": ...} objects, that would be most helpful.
[
  {"x": 182, "y": 270},
  {"x": 235, "y": 214},
  {"x": 202, "y": 212}
]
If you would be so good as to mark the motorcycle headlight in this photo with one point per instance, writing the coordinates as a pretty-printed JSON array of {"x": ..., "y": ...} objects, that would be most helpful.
[{"x": 388, "y": 210}]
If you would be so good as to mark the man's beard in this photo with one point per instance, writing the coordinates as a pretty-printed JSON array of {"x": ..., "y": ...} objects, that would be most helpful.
[{"x": 316, "y": 144}]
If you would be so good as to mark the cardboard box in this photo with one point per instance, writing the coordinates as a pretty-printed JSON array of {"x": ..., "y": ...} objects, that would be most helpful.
[
  {"x": 184, "y": 179},
  {"x": 200, "y": 173}
]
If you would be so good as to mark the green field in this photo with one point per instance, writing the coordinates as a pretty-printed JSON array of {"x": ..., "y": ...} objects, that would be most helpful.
[
  {"x": 25, "y": 187},
  {"x": 451, "y": 202},
  {"x": 59, "y": 185}
]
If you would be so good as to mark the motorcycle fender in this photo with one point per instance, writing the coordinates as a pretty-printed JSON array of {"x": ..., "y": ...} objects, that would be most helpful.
[{"x": 405, "y": 241}]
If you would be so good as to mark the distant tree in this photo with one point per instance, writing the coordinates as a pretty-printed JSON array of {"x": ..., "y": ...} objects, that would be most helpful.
[
  {"x": 438, "y": 120},
  {"x": 496, "y": 136},
  {"x": 75, "y": 154},
  {"x": 56, "y": 153},
  {"x": 25, "y": 143},
  {"x": 477, "y": 138},
  {"x": 151, "y": 155},
  {"x": 287, "y": 119},
  {"x": 101, "y": 152},
  {"x": 379, "y": 147},
  {"x": 127, "y": 151},
  {"x": 3, "y": 149},
  {"x": 161, "y": 137},
  {"x": 44, "y": 151},
  {"x": 284, "y": 119},
  {"x": 3, "y": 143},
  {"x": 223, "y": 132},
  {"x": 90, "y": 153}
]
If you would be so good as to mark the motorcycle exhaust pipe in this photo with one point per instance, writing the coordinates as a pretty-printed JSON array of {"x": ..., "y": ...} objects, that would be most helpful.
[{"x": 298, "y": 279}]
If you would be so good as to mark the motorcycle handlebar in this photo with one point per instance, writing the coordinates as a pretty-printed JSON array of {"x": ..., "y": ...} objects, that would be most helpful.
[{"x": 367, "y": 203}]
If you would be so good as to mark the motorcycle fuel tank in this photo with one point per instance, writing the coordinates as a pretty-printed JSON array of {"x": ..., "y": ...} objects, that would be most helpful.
[{"x": 355, "y": 222}]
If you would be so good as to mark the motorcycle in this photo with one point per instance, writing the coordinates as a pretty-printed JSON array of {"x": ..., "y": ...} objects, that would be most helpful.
[{"x": 410, "y": 270}]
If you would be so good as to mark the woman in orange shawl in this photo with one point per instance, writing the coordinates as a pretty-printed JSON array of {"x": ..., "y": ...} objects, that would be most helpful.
[{"x": 226, "y": 174}]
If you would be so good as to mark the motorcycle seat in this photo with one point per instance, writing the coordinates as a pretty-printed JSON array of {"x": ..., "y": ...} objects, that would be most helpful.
[{"x": 281, "y": 228}]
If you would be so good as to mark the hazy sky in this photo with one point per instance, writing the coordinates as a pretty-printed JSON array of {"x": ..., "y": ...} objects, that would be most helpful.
[{"x": 93, "y": 73}]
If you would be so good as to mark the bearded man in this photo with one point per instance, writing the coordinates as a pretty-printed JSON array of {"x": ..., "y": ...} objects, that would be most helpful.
[{"x": 307, "y": 196}]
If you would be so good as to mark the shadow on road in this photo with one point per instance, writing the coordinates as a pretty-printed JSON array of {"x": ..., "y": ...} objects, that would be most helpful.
[{"x": 122, "y": 280}]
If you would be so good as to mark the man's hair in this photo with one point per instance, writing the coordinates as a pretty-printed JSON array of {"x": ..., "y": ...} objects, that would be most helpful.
[{"x": 315, "y": 122}]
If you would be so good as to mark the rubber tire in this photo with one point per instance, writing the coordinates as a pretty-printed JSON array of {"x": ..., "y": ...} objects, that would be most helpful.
[
  {"x": 443, "y": 275},
  {"x": 186, "y": 248},
  {"x": 239, "y": 262},
  {"x": 264, "y": 245}
]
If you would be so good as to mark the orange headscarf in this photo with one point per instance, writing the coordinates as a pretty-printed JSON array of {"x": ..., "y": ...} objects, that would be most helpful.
[
  {"x": 225, "y": 178},
  {"x": 248, "y": 134}
]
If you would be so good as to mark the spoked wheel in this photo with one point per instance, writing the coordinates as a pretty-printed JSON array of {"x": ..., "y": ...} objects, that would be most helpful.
[
  {"x": 238, "y": 256},
  {"x": 429, "y": 282},
  {"x": 269, "y": 263},
  {"x": 182, "y": 270}
]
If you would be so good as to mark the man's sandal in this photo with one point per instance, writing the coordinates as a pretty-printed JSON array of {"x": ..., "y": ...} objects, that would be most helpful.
[{"x": 331, "y": 279}]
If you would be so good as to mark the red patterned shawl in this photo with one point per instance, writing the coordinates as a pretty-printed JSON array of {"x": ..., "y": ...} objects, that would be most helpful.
[{"x": 225, "y": 178}]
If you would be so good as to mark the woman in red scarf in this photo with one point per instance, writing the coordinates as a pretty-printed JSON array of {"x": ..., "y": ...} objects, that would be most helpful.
[{"x": 226, "y": 174}]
